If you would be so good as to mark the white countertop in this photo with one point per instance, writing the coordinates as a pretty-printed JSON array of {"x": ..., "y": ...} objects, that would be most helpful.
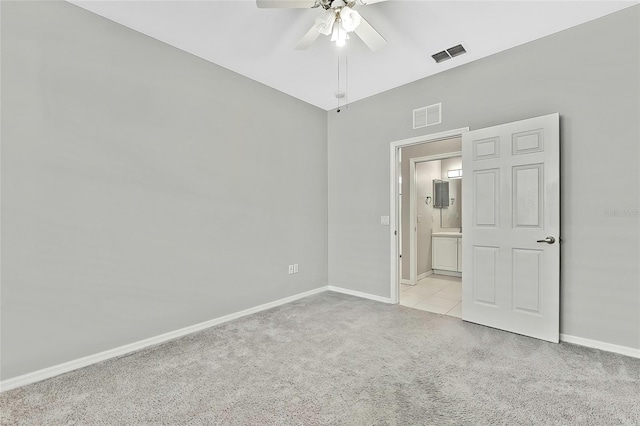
[{"x": 447, "y": 234}]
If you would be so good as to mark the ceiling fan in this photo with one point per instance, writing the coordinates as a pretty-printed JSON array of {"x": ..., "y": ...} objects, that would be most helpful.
[{"x": 338, "y": 20}]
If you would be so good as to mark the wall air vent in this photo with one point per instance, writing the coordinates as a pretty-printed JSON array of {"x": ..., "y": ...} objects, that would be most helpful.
[
  {"x": 427, "y": 116},
  {"x": 449, "y": 53}
]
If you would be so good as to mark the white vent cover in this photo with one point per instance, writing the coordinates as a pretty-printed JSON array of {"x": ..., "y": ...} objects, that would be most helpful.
[{"x": 427, "y": 116}]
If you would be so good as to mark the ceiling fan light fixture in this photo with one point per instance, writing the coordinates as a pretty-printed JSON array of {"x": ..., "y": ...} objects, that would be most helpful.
[
  {"x": 350, "y": 19},
  {"x": 336, "y": 20},
  {"x": 339, "y": 34}
]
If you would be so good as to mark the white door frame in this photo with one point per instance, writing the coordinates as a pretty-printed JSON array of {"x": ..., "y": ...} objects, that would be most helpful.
[
  {"x": 413, "y": 220},
  {"x": 394, "y": 173}
]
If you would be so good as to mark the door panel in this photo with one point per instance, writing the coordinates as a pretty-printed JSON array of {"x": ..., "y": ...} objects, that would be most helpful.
[
  {"x": 511, "y": 201},
  {"x": 527, "y": 277},
  {"x": 527, "y": 142},
  {"x": 485, "y": 261},
  {"x": 528, "y": 197},
  {"x": 486, "y": 197},
  {"x": 485, "y": 149}
]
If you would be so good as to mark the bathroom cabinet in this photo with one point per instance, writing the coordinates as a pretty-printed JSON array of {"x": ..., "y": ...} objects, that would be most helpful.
[{"x": 447, "y": 252}]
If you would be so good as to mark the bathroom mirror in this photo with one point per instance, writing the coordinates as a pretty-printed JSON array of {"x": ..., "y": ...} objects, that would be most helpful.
[
  {"x": 441, "y": 193},
  {"x": 451, "y": 212}
]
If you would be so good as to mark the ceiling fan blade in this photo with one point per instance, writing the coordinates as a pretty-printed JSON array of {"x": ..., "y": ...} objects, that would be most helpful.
[
  {"x": 366, "y": 2},
  {"x": 308, "y": 39},
  {"x": 372, "y": 38},
  {"x": 286, "y": 4}
]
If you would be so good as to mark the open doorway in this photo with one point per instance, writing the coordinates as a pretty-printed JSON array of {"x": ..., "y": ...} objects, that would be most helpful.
[
  {"x": 431, "y": 227},
  {"x": 417, "y": 164},
  {"x": 510, "y": 259}
]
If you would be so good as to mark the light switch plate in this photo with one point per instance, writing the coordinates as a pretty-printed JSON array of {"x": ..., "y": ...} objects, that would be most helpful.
[
  {"x": 384, "y": 220},
  {"x": 295, "y": 268}
]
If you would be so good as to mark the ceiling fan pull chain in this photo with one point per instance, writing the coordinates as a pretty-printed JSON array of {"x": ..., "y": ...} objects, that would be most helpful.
[
  {"x": 346, "y": 77},
  {"x": 338, "y": 91}
]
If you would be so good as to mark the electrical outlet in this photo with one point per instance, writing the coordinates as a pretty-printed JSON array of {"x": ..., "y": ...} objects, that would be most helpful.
[
  {"x": 295, "y": 268},
  {"x": 291, "y": 269}
]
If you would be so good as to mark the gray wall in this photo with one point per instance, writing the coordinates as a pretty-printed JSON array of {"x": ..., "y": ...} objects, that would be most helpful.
[
  {"x": 143, "y": 189},
  {"x": 589, "y": 74},
  {"x": 425, "y": 219}
]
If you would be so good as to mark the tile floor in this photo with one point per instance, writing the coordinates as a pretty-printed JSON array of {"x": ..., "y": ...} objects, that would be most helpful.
[{"x": 441, "y": 294}]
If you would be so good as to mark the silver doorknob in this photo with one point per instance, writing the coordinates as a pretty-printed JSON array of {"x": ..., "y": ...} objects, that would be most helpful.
[{"x": 548, "y": 240}]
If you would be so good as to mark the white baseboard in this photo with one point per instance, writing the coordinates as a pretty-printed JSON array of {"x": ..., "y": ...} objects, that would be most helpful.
[
  {"x": 55, "y": 370},
  {"x": 448, "y": 273},
  {"x": 424, "y": 275},
  {"x": 596, "y": 344},
  {"x": 359, "y": 294},
  {"x": 407, "y": 282}
]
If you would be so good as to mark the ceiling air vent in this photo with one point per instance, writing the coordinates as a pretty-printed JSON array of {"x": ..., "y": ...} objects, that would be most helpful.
[
  {"x": 456, "y": 51},
  {"x": 427, "y": 116},
  {"x": 441, "y": 56},
  {"x": 449, "y": 53}
]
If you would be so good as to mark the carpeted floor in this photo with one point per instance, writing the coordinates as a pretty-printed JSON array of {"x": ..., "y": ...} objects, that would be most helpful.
[{"x": 336, "y": 359}]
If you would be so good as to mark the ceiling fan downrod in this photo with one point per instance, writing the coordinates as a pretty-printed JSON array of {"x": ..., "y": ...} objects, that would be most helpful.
[{"x": 328, "y": 4}]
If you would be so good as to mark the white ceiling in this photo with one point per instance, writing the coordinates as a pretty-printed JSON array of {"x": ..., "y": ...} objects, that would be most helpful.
[{"x": 259, "y": 43}]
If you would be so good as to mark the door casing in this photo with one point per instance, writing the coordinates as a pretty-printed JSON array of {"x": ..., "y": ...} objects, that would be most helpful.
[{"x": 394, "y": 174}]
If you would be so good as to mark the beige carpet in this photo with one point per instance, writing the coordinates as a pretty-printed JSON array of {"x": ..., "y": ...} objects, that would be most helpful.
[{"x": 336, "y": 359}]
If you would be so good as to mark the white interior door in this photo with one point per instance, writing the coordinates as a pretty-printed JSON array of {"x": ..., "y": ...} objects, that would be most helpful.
[{"x": 511, "y": 227}]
